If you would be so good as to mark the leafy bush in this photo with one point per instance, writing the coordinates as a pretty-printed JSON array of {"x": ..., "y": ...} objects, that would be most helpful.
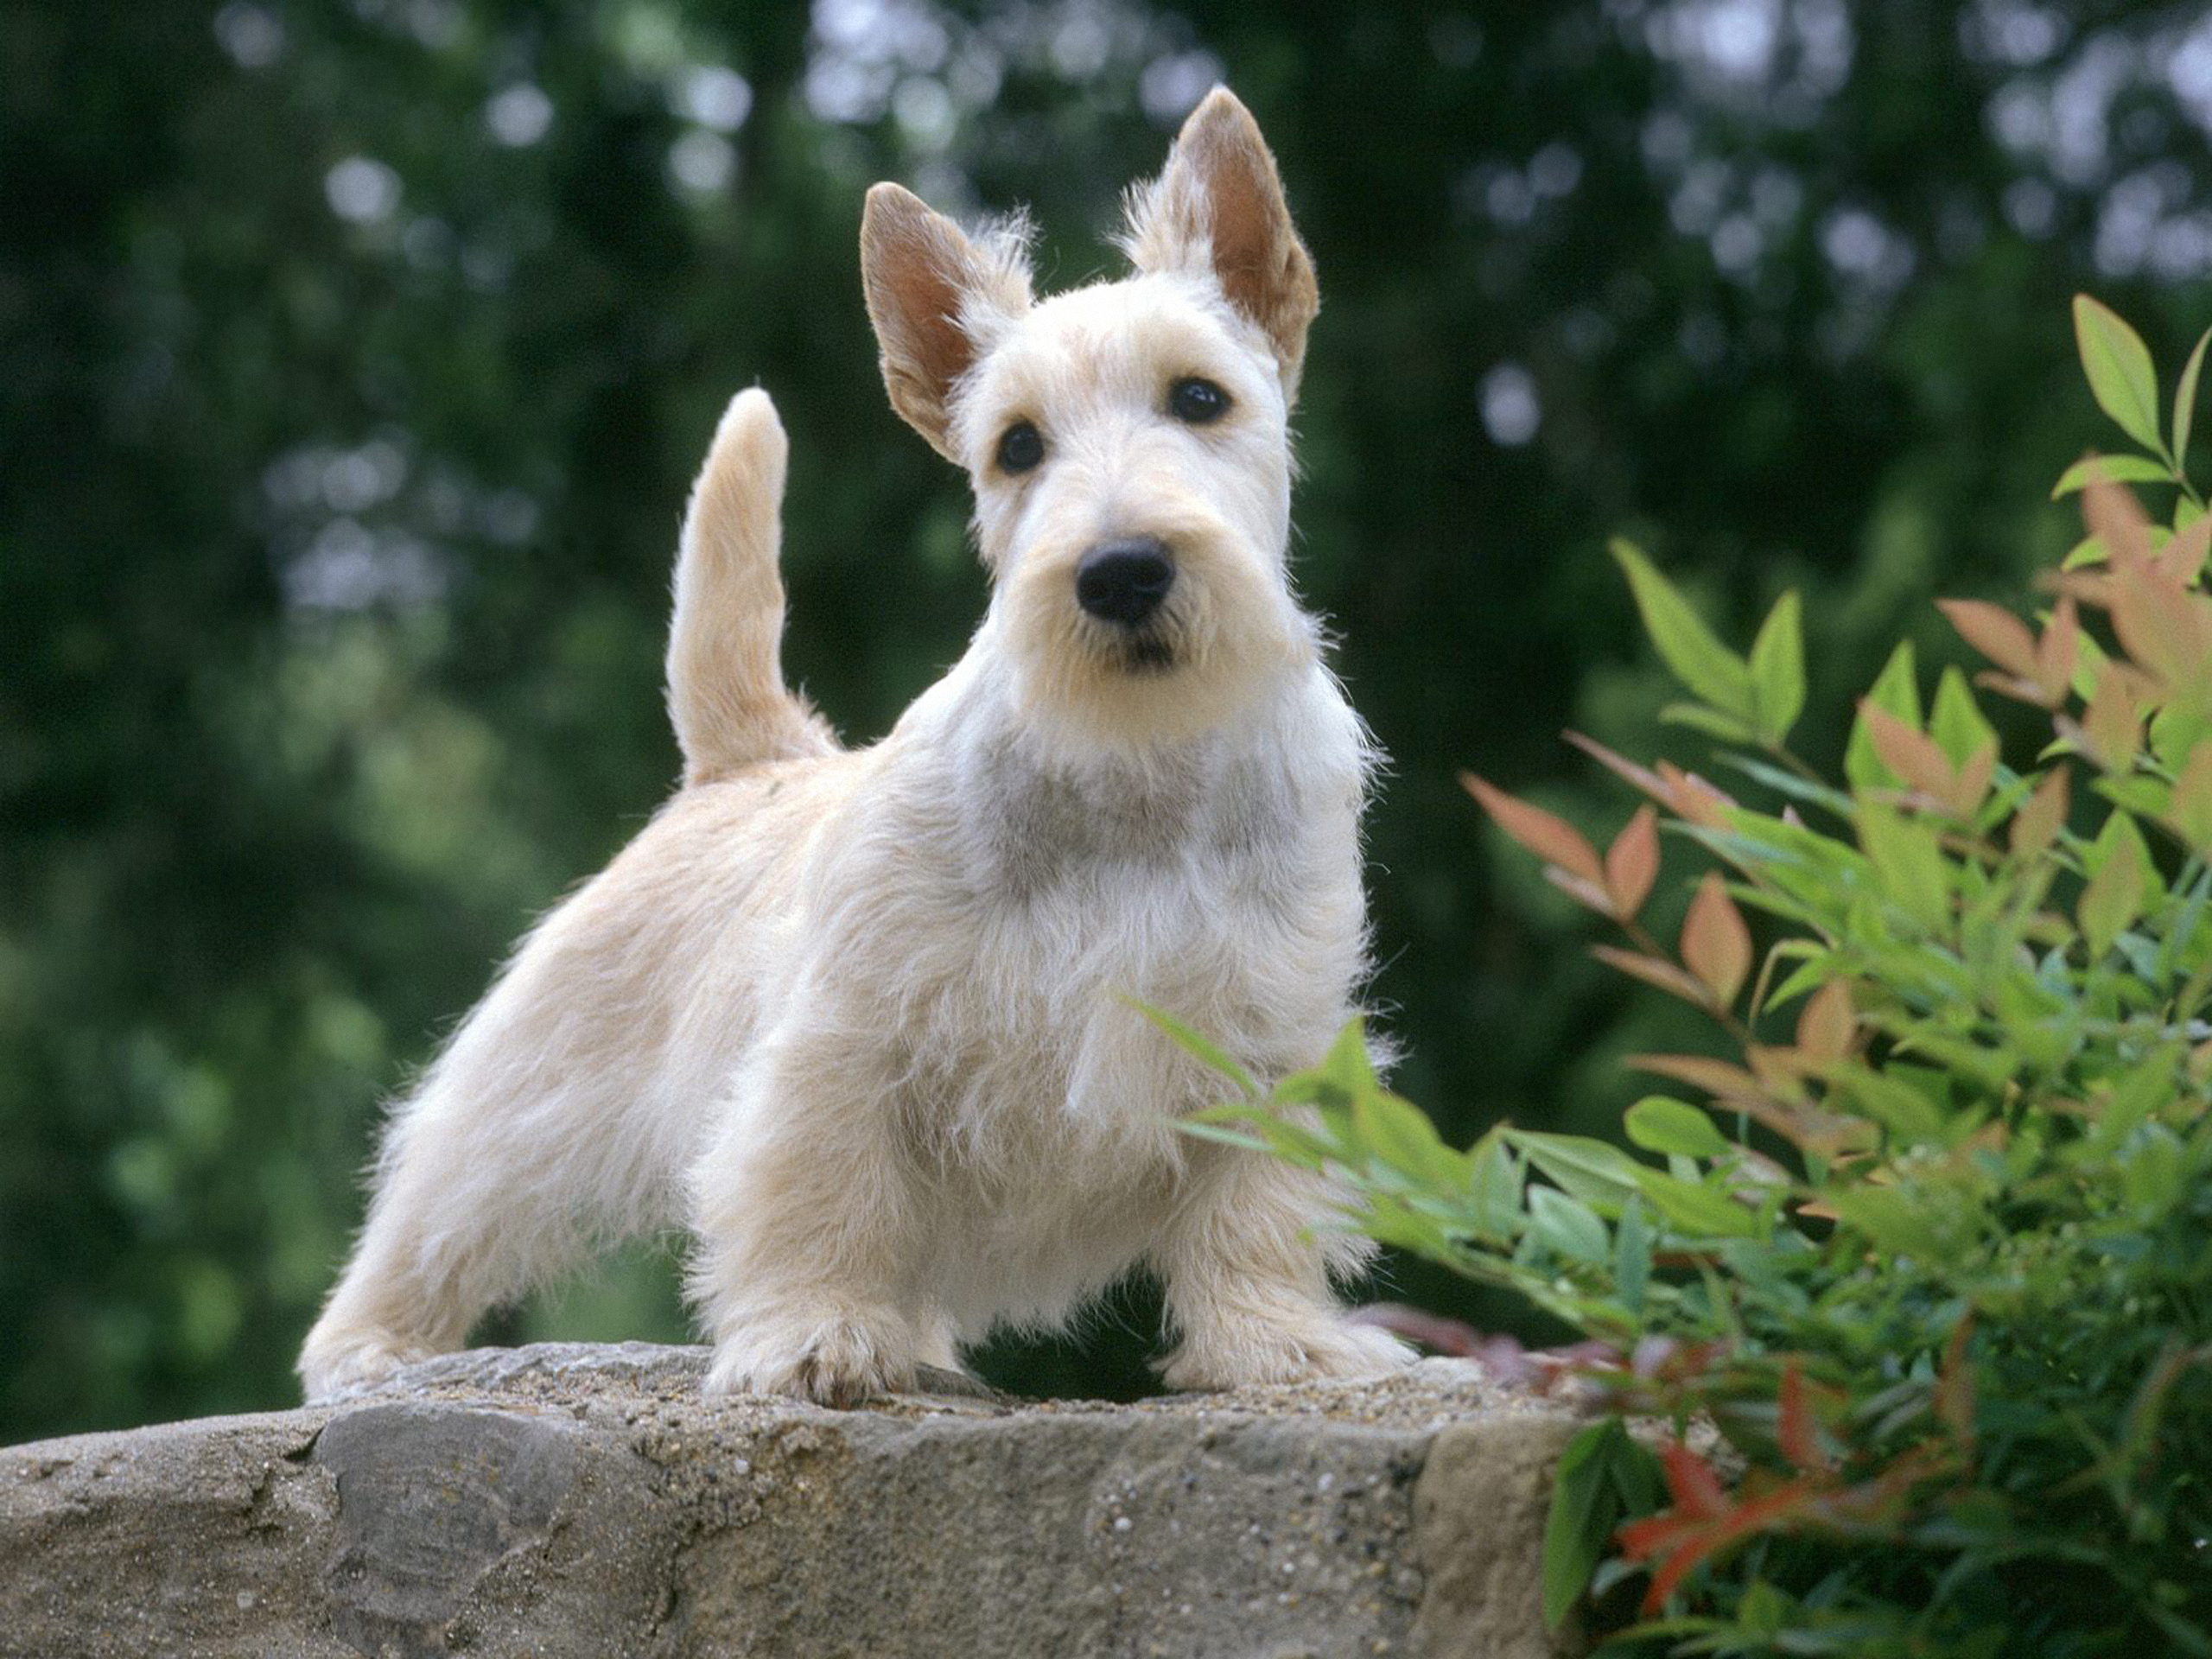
[{"x": 1926, "y": 1268}]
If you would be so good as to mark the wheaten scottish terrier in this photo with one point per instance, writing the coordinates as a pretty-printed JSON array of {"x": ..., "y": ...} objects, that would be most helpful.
[{"x": 862, "y": 1018}]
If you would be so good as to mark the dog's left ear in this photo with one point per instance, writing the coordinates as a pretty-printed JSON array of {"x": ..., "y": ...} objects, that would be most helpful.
[{"x": 1218, "y": 209}]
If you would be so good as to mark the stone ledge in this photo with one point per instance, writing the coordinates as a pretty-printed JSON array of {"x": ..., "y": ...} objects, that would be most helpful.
[{"x": 564, "y": 1499}]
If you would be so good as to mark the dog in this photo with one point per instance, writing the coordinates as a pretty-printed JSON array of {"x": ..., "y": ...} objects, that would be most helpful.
[{"x": 868, "y": 1019}]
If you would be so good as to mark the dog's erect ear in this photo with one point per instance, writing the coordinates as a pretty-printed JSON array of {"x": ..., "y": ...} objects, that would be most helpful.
[
  {"x": 937, "y": 299},
  {"x": 1218, "y": 208}
]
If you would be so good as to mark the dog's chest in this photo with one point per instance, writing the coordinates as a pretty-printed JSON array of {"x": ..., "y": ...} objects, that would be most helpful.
[{"x": 1045, "y": 836}]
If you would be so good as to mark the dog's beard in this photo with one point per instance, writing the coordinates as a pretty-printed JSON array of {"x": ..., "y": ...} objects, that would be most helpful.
[{"x": 1147, "y": 651}]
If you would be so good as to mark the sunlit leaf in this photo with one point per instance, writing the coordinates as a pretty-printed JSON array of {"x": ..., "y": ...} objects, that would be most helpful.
[
  {"x": 2112, "y": 469},
  {"x": 1708, "y": 668},
  {"x": 1909, "y": 860},
  {"x": 1660, "y": 1123},
  {"x": 1777, "y": 666},
  {"x": 1955, "y": 721},
  {"x": 2185, "y": 400},
  {"x": 2114, "y": 896},
  {"x": 2118, "y": 364}
]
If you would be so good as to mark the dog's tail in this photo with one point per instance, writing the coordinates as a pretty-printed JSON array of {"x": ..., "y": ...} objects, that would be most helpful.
[{"x": 726, "y": 693}]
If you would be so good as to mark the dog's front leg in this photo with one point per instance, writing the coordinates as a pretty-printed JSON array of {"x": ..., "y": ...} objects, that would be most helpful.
[
  {"x": 1247, "y": 1281},
  {"x": 808, "y": 1225}
]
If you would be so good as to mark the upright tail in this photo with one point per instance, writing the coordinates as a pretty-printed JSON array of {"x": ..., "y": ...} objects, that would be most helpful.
[{"x": 725, "y": 692}]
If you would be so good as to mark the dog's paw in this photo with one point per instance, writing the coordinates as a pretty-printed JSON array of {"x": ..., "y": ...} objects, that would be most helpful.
[
  {"x": 347, "y": 1362},
  {"x": 1253, "y": 1354},
  {"x": 838, "y": 1362}
]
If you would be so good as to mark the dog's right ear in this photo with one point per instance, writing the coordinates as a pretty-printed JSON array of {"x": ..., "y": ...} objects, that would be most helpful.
[{"x": 936, "y": 299}]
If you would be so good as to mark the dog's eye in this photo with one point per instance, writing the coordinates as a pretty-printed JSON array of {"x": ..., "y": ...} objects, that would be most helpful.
[
  {"x": 1197, "y": 401},
  {"x": 1021, "y": 448}
]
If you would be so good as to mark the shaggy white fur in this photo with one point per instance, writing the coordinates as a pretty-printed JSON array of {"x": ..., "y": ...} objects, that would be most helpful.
[{"x": 862, "y": 1019}]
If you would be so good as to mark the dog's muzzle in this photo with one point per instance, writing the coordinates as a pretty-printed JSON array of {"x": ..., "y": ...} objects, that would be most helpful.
[{"x": 1124, "y": 581}]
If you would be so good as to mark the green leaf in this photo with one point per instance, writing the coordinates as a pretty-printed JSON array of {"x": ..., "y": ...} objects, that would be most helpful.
[
  {"x": 1909, "y": 1115},
  {"x": 1399, "y": 1133},
  {"x": 1896, "y": 691},
  {"x": 1711, "y": 721},
  {"x": 1596, "y": 1172},
  {"x": 1660, "y": 1123},
  {"x": 1956, "y": 721},
  {"x": 2118, "y": 364},
  {"x": 1632, "y": 1257},
  {"x": 1698, "y": 1210},
  {"x": 1347, "y": 1065},
  {"x": 1571, "y": 1229},
  {"x": 2113, "y": 469},
  {"x": 1777, "y": 668},
  {"x": 1889, "y": 1218},
  {"x": 2120, "y": 864},
  {"x": 1908, "y": 859},
  {"x": 1202, "y": 1048},
  {"x": 1712, "y": 673},
  {"x": 1584, "y": 1509},
  {"x": 2185, "y": 401},
  {"x": 1495, "y": 1180}
]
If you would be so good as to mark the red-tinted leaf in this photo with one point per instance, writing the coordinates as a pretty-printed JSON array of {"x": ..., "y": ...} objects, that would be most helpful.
[
  {"x": 2058, "y": 649},
  {"x": 1716, "y": 1077},
  {"x": 1545, "y": 833},
  {"x": 1995, "y": 632},
  {"x": 2190, "y": 808},
  {"x": 1642, "y": 777},
  {"x": 1654, "y": 971},
  {"x": 1954, "y": 1384},
  {"x": 2111, "y": 724},
  {"x": 1692, "y": 1482},
  {"x": 1914, "y": 756},
  {"x": 1793, "y": 1431},
  {"x": 1716, "y": 946},
  {"x": 2181, "y": 560},
  {"x": 2158, "y": 627},
  {"x": 1585, "y": 893},
  {"x": 1825, "y": 1028},
  {"x": 2037, "y": 823},
  {"x": 1632, "y": 861},
  {"x": 1971, "y": 784},
  {"x": 2115, "y": 517},
  {"x": 1694, "y": 799}
]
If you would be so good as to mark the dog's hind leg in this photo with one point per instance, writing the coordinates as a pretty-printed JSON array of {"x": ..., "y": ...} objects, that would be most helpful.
[
  {"x": 726, "y": 693},
  {"x": 548, "y": 1126}
]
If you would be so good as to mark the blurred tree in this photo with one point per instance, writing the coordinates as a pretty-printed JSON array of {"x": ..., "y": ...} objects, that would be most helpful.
[{"x": 353, "y": 361}]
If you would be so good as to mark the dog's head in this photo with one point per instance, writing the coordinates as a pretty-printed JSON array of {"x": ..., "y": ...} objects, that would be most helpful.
[{"x": 1129, "y": 441}]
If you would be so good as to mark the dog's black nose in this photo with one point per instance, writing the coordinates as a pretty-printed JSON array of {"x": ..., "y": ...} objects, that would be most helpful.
[{"x": 1124, "y": 581}]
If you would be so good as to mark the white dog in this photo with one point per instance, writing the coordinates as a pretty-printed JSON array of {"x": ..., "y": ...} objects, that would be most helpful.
[{"x": 863, "y": 1018}]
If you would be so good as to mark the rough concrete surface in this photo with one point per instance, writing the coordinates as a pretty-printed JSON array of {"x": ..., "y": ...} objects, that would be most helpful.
[{"x": 566, "y": 1499}]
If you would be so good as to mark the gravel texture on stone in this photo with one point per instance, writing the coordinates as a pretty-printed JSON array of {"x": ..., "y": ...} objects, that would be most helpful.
[{"x": 569, "y": 1499}]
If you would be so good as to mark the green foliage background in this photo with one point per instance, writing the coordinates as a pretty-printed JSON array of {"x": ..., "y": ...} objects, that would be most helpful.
[{"x": 354, "y": 359}]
